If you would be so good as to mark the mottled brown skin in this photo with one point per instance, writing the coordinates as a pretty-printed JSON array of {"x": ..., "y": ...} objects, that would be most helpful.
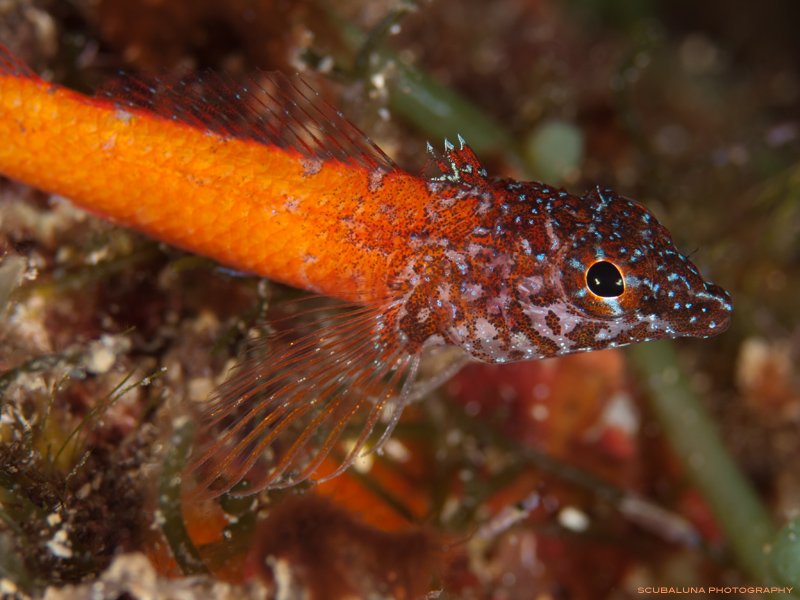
[{"x": 515, "y": 287}]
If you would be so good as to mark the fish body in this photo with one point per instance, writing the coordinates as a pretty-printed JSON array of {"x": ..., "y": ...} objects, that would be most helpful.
[
  {"x": 263, "y": 176},
  {"x": 275, "y": 212}
]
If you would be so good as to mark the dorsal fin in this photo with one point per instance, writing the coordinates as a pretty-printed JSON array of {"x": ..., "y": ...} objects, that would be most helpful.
[
  {"x": 11, "y": 65},
  {"x": 458, "y": 165},
  {"x": 265, "y": 107}
]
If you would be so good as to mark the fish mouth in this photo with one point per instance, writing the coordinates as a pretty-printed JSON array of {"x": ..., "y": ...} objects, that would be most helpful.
[
  {"x": 708, "y": 313},
  {"x": 724, "y": 298}
]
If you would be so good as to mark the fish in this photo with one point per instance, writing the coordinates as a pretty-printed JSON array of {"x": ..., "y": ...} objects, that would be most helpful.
[{"x": 262, "y": 175}]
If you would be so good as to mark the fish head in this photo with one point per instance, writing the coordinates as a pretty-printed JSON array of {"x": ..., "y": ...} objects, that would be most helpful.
[
  {"x": 622, "y": 269},
  {"x": 554, "y": 274}
]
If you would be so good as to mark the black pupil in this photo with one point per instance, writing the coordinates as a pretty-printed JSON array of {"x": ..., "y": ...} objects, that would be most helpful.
[{"x": 604, "y": 279}]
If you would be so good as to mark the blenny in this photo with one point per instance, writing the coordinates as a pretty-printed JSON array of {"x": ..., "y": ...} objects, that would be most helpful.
[{"x": 262, "y": 175}]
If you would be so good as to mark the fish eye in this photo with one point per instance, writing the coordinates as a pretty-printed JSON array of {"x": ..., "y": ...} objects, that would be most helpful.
[{"x": 605, "y": 280}]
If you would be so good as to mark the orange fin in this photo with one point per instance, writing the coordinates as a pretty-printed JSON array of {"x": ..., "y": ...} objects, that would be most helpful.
[
  {"x": 281, "y": 412},
  {"x": 11, "y": 65},
  {"x": 457, "y": 165},
  {"x": 264, "y": 107}
]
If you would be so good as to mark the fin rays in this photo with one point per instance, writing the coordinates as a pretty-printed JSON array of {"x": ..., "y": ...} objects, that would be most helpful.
[
  {"x": 293, "y": 402},
  {"x": 265, "y": 107},
  {"x": 458, "y": 166},
  {"x": 246, "y": 385},
  {"x": 11, "y": 65}
]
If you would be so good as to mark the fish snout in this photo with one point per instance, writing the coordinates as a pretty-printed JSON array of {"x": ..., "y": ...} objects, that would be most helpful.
[{"x": 706, "y": 313}]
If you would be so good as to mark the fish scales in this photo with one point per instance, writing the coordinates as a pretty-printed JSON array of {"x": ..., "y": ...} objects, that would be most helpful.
[
  {"x": 124, "y": 165},
  {"x": 262, "y": 175}
]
